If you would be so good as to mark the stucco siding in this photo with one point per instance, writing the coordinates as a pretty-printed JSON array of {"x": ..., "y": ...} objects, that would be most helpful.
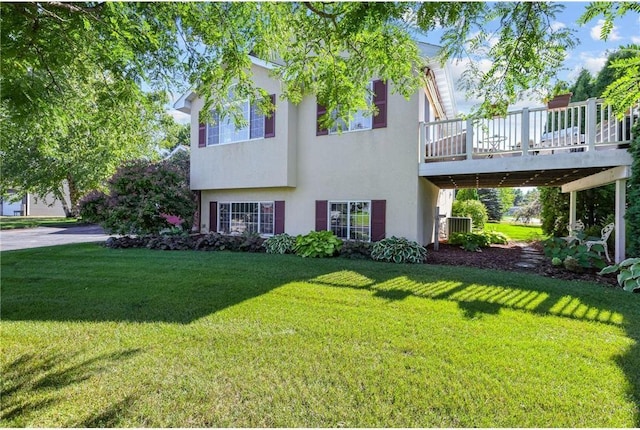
[{"x": 264, "y": 162}]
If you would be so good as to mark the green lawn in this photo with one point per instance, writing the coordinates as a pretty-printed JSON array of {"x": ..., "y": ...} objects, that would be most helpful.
[
  {"x": 517, "y": 231},
  {"x": 13, "y": 222},
  {"x": 138, "y": 338}
]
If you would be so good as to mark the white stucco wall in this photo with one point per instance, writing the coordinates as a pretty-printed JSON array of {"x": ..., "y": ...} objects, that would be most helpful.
[
  {"x": 299, "y": 167},
  {"x": 262, "y": 162}
]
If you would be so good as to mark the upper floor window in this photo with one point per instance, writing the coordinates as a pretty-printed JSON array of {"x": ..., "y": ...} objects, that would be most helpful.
[
  {"x": 224, "y": 130},
  {"x": 359, "y": 120}
]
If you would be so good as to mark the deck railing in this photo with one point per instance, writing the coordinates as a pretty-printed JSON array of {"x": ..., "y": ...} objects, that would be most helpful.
[{"x": 582, "y": 126}]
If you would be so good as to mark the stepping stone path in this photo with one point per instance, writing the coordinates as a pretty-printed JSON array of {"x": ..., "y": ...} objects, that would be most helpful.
[{"x": 530, "y": 259}]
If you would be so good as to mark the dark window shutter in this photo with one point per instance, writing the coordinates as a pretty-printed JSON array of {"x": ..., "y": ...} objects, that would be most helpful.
[
  {"x": 213, "y": 217},
  {"x": 378, "y": 219},
  {"x": 202, "y": 135},
  {"x": 270, "y": 121},
  {"x": 278, "y": 227},
  {"x": 321, "y": 110},
  {"x": 380, "y": 101},
  {"x": 321, "y": 215}
]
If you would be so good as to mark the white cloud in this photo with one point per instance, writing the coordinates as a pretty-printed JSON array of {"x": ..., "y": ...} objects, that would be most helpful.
[
  {"x": 593, "y": 63},
  {"x": 557, "y": 25},
  {"x": 635, "y": 39},
  {"x": 596, "y": 31}
]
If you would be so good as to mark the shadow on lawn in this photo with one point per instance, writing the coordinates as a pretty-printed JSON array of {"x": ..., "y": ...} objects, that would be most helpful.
[
  {"x": 31, "y": 383},
  {"x": 180, "y": 288},
  {"x": 478, "y": 294}
]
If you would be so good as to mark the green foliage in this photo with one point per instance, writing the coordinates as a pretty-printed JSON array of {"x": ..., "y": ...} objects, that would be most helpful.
[
  {"x": 474, "y": 241},
  {"x": 507, "y": 198},
  {"x": 317, "y": 244},
  {"x": 467, "y": 194},
  {"x": 471, "y": 208},
  {"x": 579, "y": 258},
  {"x": 356, "y": 250},
  {"x": 398, "y": 250},
  {"x": 490, "y": 198},
  {"x": 632, "y": 216},
  {"x": 141, "y": 195},
  {"x": 280, "y": 244},
  {"x": 629, "y": 274}
]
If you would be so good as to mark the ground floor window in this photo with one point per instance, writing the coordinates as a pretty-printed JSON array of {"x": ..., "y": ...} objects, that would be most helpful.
[
  {"x": 350, "y": 219},
  {"x": 241, "y": 217}
]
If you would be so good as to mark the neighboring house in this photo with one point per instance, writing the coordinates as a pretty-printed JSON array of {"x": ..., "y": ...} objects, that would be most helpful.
[
  {"x": 31, "y": 205},
  {"x": 285, "y": 173}
]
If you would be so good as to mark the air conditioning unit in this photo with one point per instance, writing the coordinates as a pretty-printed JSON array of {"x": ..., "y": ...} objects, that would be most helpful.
[{"x": 458, "y": 225}]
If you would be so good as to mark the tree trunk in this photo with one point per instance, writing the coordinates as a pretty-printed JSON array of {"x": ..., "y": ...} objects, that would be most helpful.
[
  {"x": 59, "y": 194},
  {"x": 74, "y": 197}
]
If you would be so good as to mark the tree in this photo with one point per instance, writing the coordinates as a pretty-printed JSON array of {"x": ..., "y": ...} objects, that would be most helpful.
[
  {"x": 507, "y": 197},
  {"x": 624, "y": 91},
  {"x": 583, "y": 88},
  {"x": 632, "y": 216},
  {"x": 491, "y": 200},
  {"x": 78, "y": 149},
  {"x": 467, "y": 194},
  {"x": 331, "y": 50}
]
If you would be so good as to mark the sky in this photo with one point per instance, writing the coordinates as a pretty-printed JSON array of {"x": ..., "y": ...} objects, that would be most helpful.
[{"x": 590, "y": 53}]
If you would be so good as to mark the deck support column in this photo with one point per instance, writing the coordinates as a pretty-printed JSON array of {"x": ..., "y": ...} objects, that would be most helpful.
[
  {"x": 620, "y": 229},
  {"x": 572, "y": 207}
]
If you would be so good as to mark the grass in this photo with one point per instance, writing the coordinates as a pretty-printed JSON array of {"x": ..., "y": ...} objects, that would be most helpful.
[
  {"x": 517, "y": 232},
  {"x": 140, "y": 338},
  {"x": 15, "y": 222}
]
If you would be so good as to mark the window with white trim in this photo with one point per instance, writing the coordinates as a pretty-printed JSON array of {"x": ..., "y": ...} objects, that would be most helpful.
[
  {"x": 360, "y": 121},
  {"x": 250, "y": 217},
  {"x": 350, "y": 219},
  {"x": 224, "y": 130}
]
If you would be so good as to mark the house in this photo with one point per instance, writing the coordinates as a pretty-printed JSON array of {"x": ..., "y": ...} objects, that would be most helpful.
[
  {"x": 30, "y": 205},
  {"x": 285, "y": 173}
]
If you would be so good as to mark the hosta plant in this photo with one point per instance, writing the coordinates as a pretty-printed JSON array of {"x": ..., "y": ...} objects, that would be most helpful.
[
  {"x": 317, "y": 244},
  {"x": 280, "y": 244},
  {"x": 398, "y": 250},
  {"x": 629, "y": 274}
]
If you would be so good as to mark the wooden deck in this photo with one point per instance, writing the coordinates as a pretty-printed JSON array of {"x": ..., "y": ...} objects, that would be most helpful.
[{"x": 529, "y": 147}]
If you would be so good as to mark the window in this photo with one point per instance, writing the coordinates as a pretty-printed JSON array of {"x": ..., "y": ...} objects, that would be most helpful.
[
  {"x": 360, "y": 121},
  {"x": 350, "y": 220},
  {"x": 241, "y": 217},
  {"x": 224, "y": 130}
]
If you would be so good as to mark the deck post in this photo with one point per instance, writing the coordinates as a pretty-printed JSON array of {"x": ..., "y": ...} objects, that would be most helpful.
[
  {"x": 591, "y": 124},
  {"x": 572, "y": 208},
  {"x": 620, "y": 229},
  {"x": 422, "y": 142},
  {"x": 524, "y": 138},
  {"x": 469, "y": 142}
]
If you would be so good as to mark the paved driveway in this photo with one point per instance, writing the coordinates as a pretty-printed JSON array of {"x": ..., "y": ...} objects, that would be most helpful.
[{"x": 48, "y": 236}]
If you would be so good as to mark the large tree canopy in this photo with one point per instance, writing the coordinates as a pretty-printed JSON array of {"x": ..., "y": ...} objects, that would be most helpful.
[{"x": 331, "y": 50}]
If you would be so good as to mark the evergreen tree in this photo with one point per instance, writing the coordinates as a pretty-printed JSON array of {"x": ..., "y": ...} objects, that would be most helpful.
[{"x": 491, "y": 200}]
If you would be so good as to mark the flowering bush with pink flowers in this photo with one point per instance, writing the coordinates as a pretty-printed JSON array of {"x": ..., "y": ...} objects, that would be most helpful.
[{"x": 144, "y": 198}]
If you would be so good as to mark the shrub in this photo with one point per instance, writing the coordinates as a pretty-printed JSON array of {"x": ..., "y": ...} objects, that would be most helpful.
[
  {"x": 629, "y": 274},
  {"x": 556, "y": 247},
  {"x": 356, "y": 249},
  {"x": 317, "y": 244},
  {"x": 398, "y": 250},
  {"x": 144, "y": 198},
  {"x": 471, "y": 208},
  {"x": 246, "y": 242},
  {"x": 474, "y": 241},
  {"x": 280, "y": 244}
]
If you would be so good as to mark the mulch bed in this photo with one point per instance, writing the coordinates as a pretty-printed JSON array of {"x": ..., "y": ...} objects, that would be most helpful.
[{"x": 505, "y": 257}]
